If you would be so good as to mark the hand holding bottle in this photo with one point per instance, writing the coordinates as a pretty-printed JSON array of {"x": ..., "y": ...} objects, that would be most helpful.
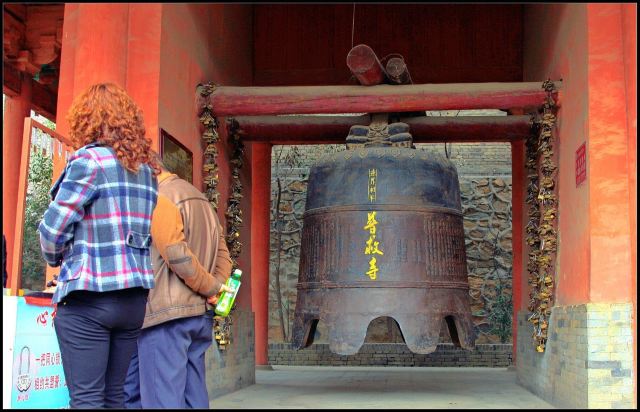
[
  {"x": 214, "y": 299},
  {"x": 224, "y": 306}
]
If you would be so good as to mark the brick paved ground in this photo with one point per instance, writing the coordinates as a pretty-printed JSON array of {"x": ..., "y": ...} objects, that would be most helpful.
[{"x": 334, "y": 387}]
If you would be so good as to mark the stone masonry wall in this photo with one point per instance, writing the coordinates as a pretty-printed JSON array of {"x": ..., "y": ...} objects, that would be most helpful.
[
  {"x": 392, "y": 354},
  {"x": 485, "y": 181},
  {"x": 232, "y": 368},
  {"x": 588, "y": 361}
]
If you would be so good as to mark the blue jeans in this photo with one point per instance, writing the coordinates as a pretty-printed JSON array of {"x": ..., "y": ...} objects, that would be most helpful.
[
  {"x": 97, "y": 332},
  {"x": 168, "y": 370}
]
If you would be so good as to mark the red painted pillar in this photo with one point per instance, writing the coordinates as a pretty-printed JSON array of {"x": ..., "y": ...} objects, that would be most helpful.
[
  {"x": 629, "y": 33},
  {"x": 143, "y": 64},
  {"x": 518, "y": 188},
  {"x": 117, "y": 43},
  {"x": 611, "y": 159},
  {"x": 607, "y": 158},
  {"x": 65, "y": 91},
  {"x": 67, "y": 66},
  {"x": 16, "y": 109},
  {"x": 94, "y": 49},
  {"x": 101, "y": 44},
  {"x": 260, "y": 231}
]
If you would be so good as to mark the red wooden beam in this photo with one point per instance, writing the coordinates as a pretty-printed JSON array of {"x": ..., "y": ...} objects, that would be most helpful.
[
  {"x": 469, "y": 128},
  {"x": 365, "y": 66},
  {"x": 298, "y": 129},
  {"x": 251, "y": 101},
  {"x": 334, "y": 129},
  {"x": 44, "y": 100}
]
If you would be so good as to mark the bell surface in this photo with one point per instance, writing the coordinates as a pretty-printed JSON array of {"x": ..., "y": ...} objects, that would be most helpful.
[{"x": 383, "y": 236}]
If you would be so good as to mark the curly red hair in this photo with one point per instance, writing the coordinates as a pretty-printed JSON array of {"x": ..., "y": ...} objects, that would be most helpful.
[{"x": 106, "y": 114}]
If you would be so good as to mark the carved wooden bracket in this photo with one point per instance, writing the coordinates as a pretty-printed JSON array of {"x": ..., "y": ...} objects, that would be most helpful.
[{"x": 32, "y": 38}]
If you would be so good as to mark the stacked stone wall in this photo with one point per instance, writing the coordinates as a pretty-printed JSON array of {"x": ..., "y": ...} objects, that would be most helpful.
[
  {"x": 588, "y": 361},
  {"x": 392, "y": 354},
  {"x": 232, "y": 368}
]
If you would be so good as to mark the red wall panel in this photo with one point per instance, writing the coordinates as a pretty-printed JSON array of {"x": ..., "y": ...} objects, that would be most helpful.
[{"x": 307, "y": 44}]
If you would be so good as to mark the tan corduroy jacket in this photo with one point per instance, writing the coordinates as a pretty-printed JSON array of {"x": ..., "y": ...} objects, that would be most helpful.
[{"x": 189, "y": 253}]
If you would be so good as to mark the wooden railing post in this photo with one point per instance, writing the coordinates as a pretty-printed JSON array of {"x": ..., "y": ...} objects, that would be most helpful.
[{"x": 14, "y": 277}]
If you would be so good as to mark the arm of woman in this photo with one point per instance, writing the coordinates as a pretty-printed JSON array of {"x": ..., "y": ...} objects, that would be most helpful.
[{"x": 76, "y": 190}]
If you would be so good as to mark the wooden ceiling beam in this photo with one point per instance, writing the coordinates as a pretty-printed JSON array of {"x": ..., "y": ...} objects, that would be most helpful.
[
  {"x": 16, "y": 10},
  {"x": 13, "y": 35},
  {"x": 43, "y": 100},
  {"x": 254, "y": 101},
  {"x": 44, "y": 32},
  {"x": 424, "y": 129}
]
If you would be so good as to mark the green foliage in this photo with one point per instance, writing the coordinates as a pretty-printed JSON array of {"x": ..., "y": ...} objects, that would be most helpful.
[
  {"x": 500, "y": 316},
  {"x": 39, "y": 183},
  {"x": 43, "y": 120}
]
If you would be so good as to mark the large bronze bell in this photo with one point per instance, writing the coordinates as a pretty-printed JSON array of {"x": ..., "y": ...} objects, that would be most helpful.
[{"x": 383, "y": 236}]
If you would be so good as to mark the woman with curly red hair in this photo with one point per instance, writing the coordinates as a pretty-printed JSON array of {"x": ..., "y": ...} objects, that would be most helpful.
[{"x": 97, "y": 229}]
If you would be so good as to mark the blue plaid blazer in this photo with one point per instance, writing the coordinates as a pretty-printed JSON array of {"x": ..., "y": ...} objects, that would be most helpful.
[{"x": 98, "y": 224}]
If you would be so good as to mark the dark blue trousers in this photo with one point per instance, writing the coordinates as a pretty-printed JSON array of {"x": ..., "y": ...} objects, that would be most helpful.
[
  {"x": 97, "y": 333},
  {"x": 168, "y": 370}
]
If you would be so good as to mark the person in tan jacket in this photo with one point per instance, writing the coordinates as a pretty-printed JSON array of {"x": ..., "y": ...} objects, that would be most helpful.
[{"x": 191, "y": 265}]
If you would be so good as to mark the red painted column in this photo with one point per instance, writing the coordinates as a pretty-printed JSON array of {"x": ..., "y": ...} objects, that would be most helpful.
[
  {"x": 65, "y": 92},
  {"x": 101, "y": 44},
  {"x": 143, "y": 63},
  {"x": 94, "y": 49},
  {"x": 260, "y": 231},
  {"x": 611, "y": 158},
  {"x": 518, "y": 280},
  {"x": 16, "y": 109},
  {"x": 67, "y": 66},
  {"x": 629, "y": 33},
  {"x": 117, "y": 43},
  {"x": 65, "y": 83},
  {"x": 607, "y": 158}
]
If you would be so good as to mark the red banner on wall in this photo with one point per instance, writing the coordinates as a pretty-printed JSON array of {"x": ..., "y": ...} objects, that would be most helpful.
[{"x": 581, "y": 164}]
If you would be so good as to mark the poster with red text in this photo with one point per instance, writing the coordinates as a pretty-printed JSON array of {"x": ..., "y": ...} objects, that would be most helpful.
[{"x": 37, "y": 374}]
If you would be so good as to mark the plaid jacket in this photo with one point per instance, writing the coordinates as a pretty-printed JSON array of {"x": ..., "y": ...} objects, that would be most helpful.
[{"x": 98, "y": 224}]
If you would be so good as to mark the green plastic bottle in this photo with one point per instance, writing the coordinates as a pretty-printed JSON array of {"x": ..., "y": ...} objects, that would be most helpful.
[{"x": 225, "y": 303}]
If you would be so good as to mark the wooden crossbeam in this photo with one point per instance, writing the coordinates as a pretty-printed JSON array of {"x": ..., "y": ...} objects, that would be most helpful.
[
  {"x": 334, "y": 129},
  {"x": 253, "y": 101},
  {"x": 43, "y": 99}
]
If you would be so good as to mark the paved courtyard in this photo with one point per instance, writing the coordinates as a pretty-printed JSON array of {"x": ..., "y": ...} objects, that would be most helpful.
[{"x": 326, "y": 387}]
